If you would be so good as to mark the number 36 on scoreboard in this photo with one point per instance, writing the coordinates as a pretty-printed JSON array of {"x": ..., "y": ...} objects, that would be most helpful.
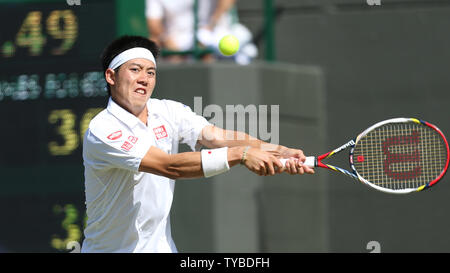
[{"x": 65, "y": 122}]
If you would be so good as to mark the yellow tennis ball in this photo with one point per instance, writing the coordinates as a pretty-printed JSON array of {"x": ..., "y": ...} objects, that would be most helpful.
[{"x": 229, "y": 45}]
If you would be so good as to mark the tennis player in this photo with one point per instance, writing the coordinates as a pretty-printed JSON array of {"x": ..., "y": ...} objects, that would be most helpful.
[{"x": 131, "y": 157}]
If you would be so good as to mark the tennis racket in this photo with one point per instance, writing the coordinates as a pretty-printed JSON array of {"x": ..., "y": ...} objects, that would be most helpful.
[{"x": 399, "y": 155}]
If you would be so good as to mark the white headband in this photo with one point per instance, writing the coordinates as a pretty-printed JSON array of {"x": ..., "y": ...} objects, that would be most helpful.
[{"x": 132, "y": 53}]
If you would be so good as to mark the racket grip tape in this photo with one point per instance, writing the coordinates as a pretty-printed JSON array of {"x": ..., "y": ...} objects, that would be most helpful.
[{"x": 310, "y": 161}]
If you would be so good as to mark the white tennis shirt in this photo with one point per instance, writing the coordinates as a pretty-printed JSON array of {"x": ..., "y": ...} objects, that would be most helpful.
[{"x": 128, "y": 210}]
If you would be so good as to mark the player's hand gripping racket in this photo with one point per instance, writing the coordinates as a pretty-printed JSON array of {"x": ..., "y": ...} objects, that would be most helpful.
[{"x": 399, "y": 155}]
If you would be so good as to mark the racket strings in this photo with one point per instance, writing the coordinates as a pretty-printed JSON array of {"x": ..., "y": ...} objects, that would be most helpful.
[{"x": 400, "y": 155}]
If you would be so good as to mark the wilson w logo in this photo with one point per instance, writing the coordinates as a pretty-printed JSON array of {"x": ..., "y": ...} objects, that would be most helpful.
[{"x": 403, "y": 160}]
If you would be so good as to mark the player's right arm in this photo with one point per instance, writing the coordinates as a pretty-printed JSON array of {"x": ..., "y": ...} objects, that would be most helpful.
[{"x": 189, "y": 164}]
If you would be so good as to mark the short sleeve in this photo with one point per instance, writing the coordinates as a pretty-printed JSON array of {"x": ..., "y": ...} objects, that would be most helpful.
[
  {"x": 119, "y": 153},
  {"x": 190, "y": 125},
  {"x": 153, "y": 9}
]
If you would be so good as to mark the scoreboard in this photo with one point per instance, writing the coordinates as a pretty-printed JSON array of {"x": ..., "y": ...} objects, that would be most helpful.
[{"x": 51, "y": 86}]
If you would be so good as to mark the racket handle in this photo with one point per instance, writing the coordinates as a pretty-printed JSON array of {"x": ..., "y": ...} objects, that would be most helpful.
[{"x": 310, "y": 161}]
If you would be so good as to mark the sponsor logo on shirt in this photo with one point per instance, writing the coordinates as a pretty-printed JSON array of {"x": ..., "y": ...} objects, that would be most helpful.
[
  {"x": 160, "y": 132},
  {"x": 127, "y": 146},
  {"x": 133, "y": 139},
  {"x": 115, "y": 135}
]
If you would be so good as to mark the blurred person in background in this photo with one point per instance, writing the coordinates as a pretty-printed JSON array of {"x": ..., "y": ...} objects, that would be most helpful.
[{"x": 171, "y": 25}]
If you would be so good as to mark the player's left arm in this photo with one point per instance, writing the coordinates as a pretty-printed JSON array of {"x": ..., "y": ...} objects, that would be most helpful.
[{"x": 215, "y": 137}]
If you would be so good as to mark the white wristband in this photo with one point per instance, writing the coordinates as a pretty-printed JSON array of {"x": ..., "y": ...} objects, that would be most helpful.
[{"x": 215, "y": 161}]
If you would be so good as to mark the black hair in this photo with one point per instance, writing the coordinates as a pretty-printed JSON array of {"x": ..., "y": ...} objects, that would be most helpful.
[{"x": 124, "y": 43}]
